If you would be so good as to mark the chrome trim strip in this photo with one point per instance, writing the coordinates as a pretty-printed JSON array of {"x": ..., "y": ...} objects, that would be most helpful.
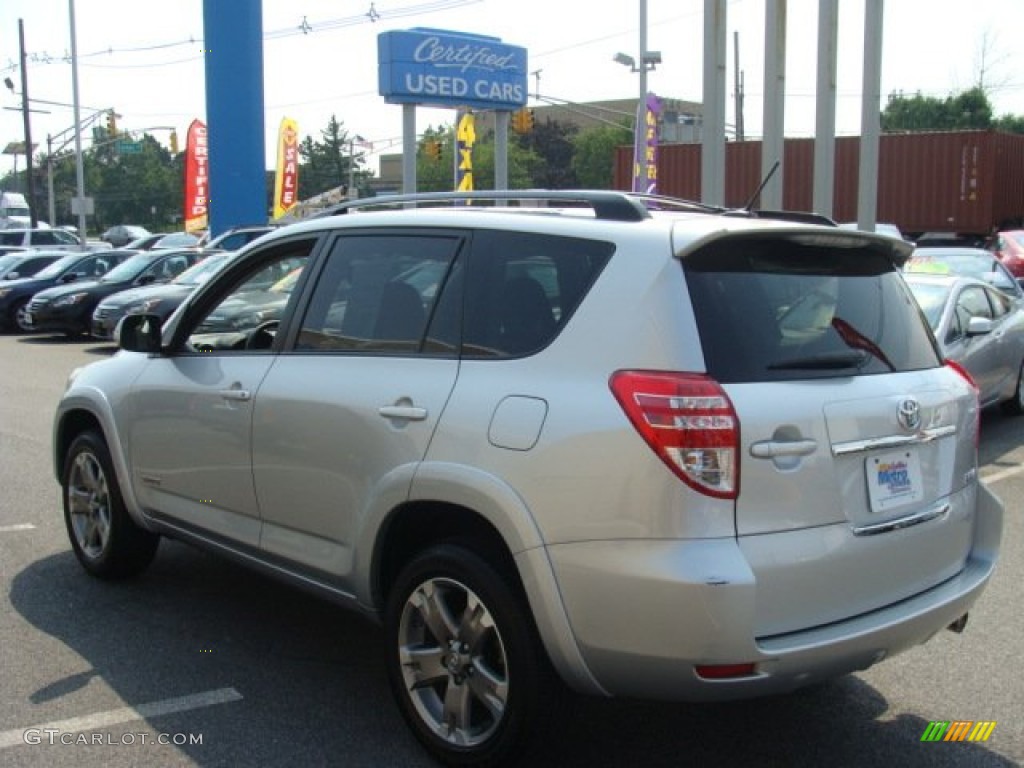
[
  {"x": 893, "y": 441},
  {"x": 939, "y": 510}
]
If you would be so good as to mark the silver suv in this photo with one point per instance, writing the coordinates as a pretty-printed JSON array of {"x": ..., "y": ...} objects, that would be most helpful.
[{"x": 662, "y": 450}]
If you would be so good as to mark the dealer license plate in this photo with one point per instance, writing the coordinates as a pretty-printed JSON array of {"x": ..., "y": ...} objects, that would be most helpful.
[{"x": 894, "y": 479}]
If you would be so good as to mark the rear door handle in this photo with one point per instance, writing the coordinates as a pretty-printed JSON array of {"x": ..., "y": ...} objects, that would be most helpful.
[
  {"x": 773, "y": 449},
  {"x": 236, "y": 394},
  {"x": 403, "y": 412}
]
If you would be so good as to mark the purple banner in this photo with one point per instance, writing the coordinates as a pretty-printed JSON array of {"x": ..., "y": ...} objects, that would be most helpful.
[{"x": 645, "y": 146}]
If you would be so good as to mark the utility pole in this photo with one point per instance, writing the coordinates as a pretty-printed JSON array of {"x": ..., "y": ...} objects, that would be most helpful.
[
  {"x": 28, "y": 127},
  {"x": 738, "y": 79}
]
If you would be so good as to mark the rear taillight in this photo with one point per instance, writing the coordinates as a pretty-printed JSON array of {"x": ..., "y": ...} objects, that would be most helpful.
[
  {"x": 963, "y": 373},
  {"x": 689, "y": 422}
]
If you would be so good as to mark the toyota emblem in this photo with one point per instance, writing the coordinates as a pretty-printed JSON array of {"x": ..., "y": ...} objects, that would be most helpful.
[{"x": 909, "y": 414}]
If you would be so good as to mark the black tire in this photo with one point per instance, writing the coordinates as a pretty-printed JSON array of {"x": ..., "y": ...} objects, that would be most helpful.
[
  {"x": 105, "y": 539},
  {"x": 1015, "y": 405},
  {"x": 17, "y": 310},
  {"x": 468, "y": 683}
]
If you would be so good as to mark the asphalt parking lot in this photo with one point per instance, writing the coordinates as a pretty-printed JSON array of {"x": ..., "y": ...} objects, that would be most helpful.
[{"x": 203, "y": 663}]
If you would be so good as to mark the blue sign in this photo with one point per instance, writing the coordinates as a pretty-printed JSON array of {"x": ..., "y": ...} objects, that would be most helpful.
[{"x": 437, "y": 67}]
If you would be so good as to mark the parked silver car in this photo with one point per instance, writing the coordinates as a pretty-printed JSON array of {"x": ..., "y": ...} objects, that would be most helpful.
[
  {"x": 982, "y": 329},
  {"x": 666, "y": 453}
]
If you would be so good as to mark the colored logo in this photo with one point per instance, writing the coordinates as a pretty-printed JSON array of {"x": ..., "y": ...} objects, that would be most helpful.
[
  {"x": 958, "y": 730},
  {"x": 909, "y": 414}
]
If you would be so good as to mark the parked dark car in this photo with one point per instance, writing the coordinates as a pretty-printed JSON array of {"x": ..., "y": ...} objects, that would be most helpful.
[
  {"x": 123, "y": 234},
  {"x": 68, "y": 308},
  {"x": 77, "y": 266},
  {"x": 26, "y": 263},
  {"x": 160, "y": 300}
]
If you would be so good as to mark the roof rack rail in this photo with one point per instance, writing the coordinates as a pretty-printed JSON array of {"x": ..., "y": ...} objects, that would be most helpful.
[
  {"x": 666, "y": 203},
  {"x": 608, "y": 205}
]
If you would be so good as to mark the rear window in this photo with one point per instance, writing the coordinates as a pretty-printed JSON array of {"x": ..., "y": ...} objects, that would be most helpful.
[{"x": 775, "y": 309}]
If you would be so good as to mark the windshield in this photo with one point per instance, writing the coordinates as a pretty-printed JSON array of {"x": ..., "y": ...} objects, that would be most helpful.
[
  {"x": 58, "y": 267},
  {"x": 128, "y": 270},
  {"x": 202, "y": 271}
]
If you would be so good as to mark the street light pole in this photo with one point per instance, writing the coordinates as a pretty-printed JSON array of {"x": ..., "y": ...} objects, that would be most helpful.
[
  {"x": 34, "y": 217},
  {"x": 79, "y": 169}
]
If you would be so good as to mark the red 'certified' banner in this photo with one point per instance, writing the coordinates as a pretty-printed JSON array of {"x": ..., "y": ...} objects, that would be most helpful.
[{"x": 197, "y": 177}]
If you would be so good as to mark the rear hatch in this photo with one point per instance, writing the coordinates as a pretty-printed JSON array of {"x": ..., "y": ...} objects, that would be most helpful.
[{"x": 857, "y": 445}]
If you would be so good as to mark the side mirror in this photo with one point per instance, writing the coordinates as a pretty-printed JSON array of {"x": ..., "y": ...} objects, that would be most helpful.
[
  {"x": 139, "y": 333},
  {"x": 979, "y": 326},
  {"x": 11, "y": 276},
  {"x": 69, "y": 277},
  {"x": 146, "y": 280}
]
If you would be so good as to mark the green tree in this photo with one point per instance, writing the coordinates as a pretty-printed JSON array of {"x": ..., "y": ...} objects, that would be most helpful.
[
  {"x": 1010, "y": 124},
  {"x": 325, "y": 164},
  {"x": 552, "y": 142},
  {"x": 439, "y": 175},
  {"x": 594, "y": 157},
  {"x": 968, "y": 109}
]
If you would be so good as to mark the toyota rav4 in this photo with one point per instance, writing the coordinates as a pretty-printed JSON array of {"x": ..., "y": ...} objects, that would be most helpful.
[{"x": 660, "y": 449}]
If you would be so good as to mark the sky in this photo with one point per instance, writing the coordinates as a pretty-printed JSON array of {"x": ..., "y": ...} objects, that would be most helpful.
[{"x": 145, "y": 60}]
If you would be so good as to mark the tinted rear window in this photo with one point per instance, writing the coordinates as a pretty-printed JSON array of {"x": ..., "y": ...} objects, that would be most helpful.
[{"x": 773, "y": 309}]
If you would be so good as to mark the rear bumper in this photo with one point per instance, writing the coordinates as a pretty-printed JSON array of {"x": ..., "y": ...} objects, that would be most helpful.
[{"x": 646, "y": 613}]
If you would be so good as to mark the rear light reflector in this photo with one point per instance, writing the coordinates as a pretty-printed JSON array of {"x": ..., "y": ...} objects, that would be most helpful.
[
  {"x": 724, "y": 671},
  {"x": 689, "y": 422}
]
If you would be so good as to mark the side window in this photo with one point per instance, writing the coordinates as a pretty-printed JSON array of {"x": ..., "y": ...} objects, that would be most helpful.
[
  {"x": 381, "y": 294},
  {"x": 93, "y": 267},
  {"x": 167, "y": 269},
  {"x": 523, "y": 288},
  {"x": 44, "y": 238},
  {"x": 972, "y": 303},
  {"x": 246, "y": 313}
]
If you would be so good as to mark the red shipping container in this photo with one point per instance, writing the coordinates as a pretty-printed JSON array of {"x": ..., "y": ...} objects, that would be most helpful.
[{"x": 956, "y": 181}]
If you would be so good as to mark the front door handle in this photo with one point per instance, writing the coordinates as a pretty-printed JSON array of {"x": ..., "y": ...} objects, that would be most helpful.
[{"x": 403, "y": 412}]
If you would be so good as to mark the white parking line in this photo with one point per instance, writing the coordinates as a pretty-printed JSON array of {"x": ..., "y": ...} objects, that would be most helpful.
[
  {"x": 16, "y": 527},
  {"x": 995, "y": 477},
  {"x": 124, "y": 715}
]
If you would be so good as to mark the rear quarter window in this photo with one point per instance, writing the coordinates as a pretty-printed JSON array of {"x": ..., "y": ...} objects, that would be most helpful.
[{"x": 777, "y": 309}]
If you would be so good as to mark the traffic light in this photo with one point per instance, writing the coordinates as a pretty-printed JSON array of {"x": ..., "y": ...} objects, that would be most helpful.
[
  {"x": 111, "y": 122},
  {"x": 174, "y": 142},
  {"x": 522, "y": 120},
  {"x": 432, "y": 149}
]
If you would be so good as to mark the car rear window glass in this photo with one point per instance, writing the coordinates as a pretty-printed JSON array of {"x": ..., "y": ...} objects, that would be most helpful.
[{"x": 781, "y": 309}]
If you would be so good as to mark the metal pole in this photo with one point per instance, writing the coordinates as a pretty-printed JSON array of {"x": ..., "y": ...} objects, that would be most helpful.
[
  {"x": 408, "y": 148},
  {"x": 825, "y": 101},
  {"x": 737, "y": 79},
  {"x": 79, "y": 169},
  {"x": 351, "y": 168},
  {"x": 641, "y": 106},
  {"x": 51, "y": 204},
  {"x": 712, "y": 169},
  {"x": 33, "y": 216},
  {"x": 870, "y": 122},
  {"x": 773, "y": 145}
]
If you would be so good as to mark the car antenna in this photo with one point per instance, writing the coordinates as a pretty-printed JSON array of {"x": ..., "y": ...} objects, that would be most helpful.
[{"x": 757, "y": 192}]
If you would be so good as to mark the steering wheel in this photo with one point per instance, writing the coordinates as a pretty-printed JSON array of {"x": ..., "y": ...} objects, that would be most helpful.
[{"x": 262, "y": 336}]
